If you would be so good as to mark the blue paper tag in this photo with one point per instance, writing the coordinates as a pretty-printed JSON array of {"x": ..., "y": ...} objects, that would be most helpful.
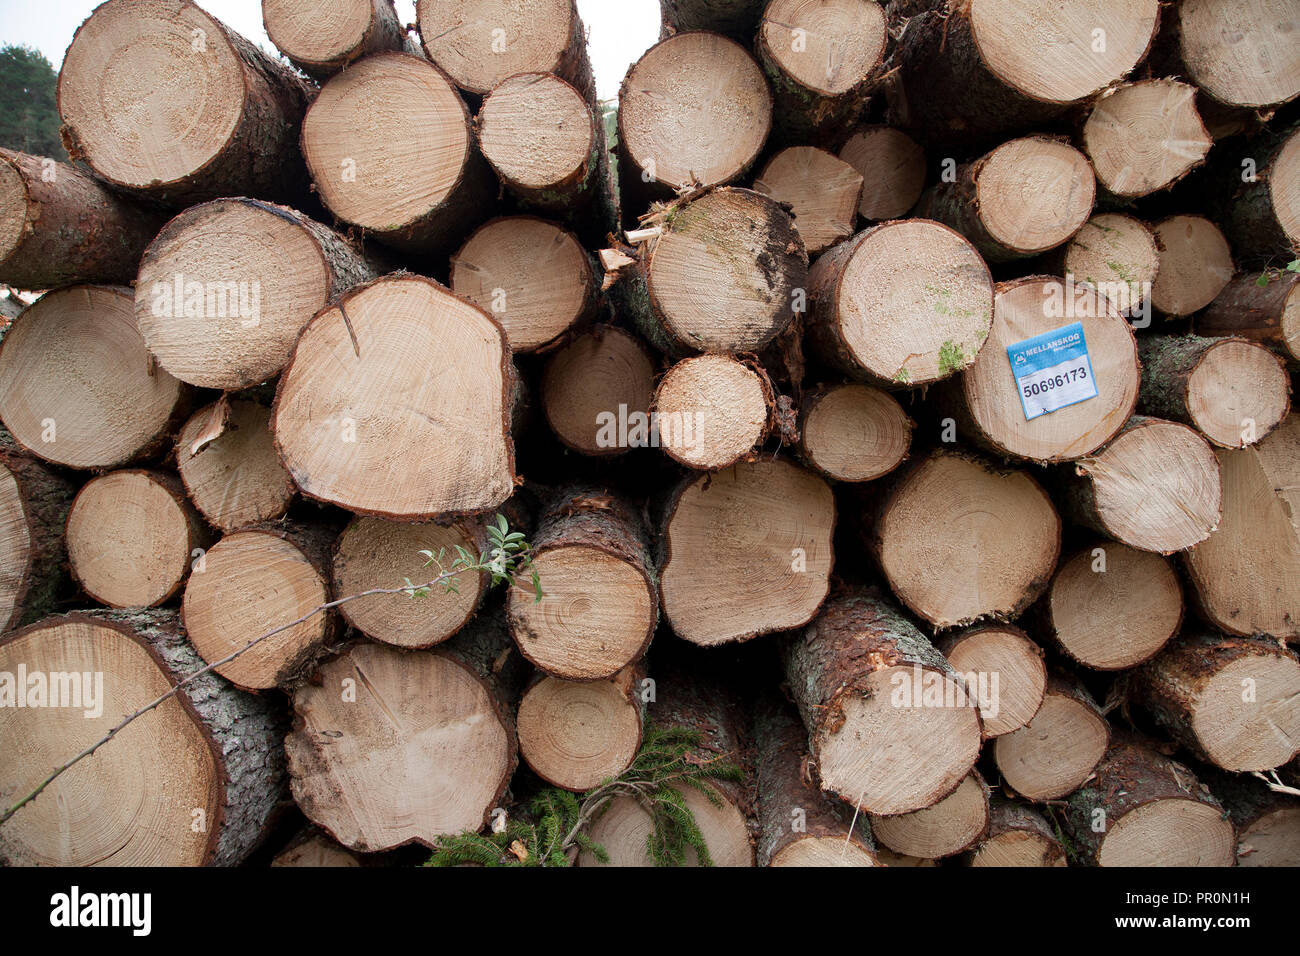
[{"x": 1052, "y": 370}]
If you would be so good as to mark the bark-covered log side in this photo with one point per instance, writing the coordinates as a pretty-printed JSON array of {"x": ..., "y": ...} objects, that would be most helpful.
[
  {"x": 1257, "y": 312},
  {"x": 45, "y": 497}
]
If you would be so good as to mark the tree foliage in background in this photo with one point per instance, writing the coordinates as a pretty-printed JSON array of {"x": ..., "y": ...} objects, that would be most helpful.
[{"x": 29, "y": 119}]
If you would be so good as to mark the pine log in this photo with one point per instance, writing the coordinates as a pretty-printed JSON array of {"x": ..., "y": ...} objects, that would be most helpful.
[
  {"x": 713, "y": 410},
  {"x": 1143, "y": 809},
  {"x": 531, "y": 275},
  {"x": 162, "y": 99},
  {"x": 132, "y": 537},
  {"x": 589, "y": 383},
  {"x": 1231, "y": 390},
  {"x": 978, "y": 71},
  {"x": 746, "y": 551},
  {"x": 868, "y": 295},
  {"x": 311, "y": 848},
  {"x": 321, "y": 37},
  {"x": 821, "y": 190},
  {"x": 421, "y": 199},
  {"x": 228, "y": 464},
  {"x": 1004, "y": 669},
  {"x": 798, "y": 825},
  {"x": 1117, "y": 255},
  {"x": 226, "y": 287},
  {"x": 59, "y": 226},
  {"x": 599, "y": 605},
  {"x": 34, "y": 503},
  {"x": 479, "y": 43},
  {"x": 890, "y": 724},
  {"x": 694, "y": 110},
  {"x": 197, "y": 781},
  {"x": 1156, "y": 487},
  {"x": 1232, "y": 701},
  {"x": 994, "y": 531},
  {"x": 853, "y": 432},
  {"x": 985, "y": 401},
  {"x": 546, "y": 144},
  {"x": 1112, "y": 607},
  {"x": 575, "y": 734},
  {"x": 1026, "y": 196},
  {"x": 1267, "y": 822},
  {"x": 726, "y": 274},
  {"x": 821, "y": 60},
  {"x": 1195, "y": 265},
  {"x": 735, "y": 18},
  {"x": 944, "y": 829},
  {"x": 1241, "y": 54},
  {"x": 1017, "y": 836},
  {"x": 1268, "y": 314},
  {"x": 79, "y": 388},
  {"x": 1246, "y": 575},
  {"x": 1145, "y": 136},
  {"x": 391, "y": 747},
  {"x": 1261, "y": 212},
  {"x": 374, "y": 553},
  {"x": 251, "y": 582},
  {"x": 365, "y": 389},
  {"x": 893, "y": 171},
  {"x": 1058, "y": 749}
]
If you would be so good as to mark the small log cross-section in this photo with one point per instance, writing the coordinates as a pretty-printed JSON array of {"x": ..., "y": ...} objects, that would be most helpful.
[
  {"x": 893, "y": 171},
  {"x": 1025, "y": 197},
  {"x": 252, "y": 582},
  {"x": 985, "y": 401},
  {"x": 712, "y": 410},
  {"x": 1241, "y": 54},
  {"x": 1057, "y": 750},
  {"x": 1195, "y": 265},
  {"x": 1233, "y": 701},
  {"x": 1143, "y": 809},
  {"x": 1118, "y": 256},
  {"x": 944, "y": 829},
  {"x": 226, "y": 287},
  {"x": 322, "y": 37},
  {"x": 761, "y": 528},
  {"x": 374, "y": 553},
  {"x": 994, "y": 532},
  {"x": 694, "y": 110},
  {"x": 891, "y": 726},
  {"x": 600, "y": 604},
  {"x": 59, "y": 226},
  {"x": 161, "y": 98},
  {"x": 132, "y": 537},
  {"x": 1004, "y": 669},
  {"x": 228, "y": 464},
  {"x": 1017, "y": 836},
  {"x": 821, "y": 59},
  {"x": 1246, "y": 574},
  {"x": 869, "y": 294},
  {"x": 533, "y": 276},
  {"x": 798, "y": 825},
  {"x": 79, "y": 388},
  {"x": 574, "y": 734},
  {"x": 391, "y": 747},
  {"x": 853, "y": 432},
  {"x": 588, "y": 381},
  {"x": 196, "y": 781},
  {"x": 1112, "y": 607},
  {"x": 822, "y": 190},
  {"x": 403, "y": 372},
  {"x": 1156, "y": 487},
  {"x": 1267, "y": 822},
  {"x": 1231, "y": 390},
  {"x": 34, "y": 503},
  {"x": 422, "y": 197}
]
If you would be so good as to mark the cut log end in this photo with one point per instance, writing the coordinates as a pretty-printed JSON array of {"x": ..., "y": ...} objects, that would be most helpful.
[
  {"x": 531, "y": 275},
  {"x": 482, "y": 42},
  {"x": 130, "y": 536},
  {"x": 576, "y": 734},
  {"x": 1145, "y": 136},
  {"x": 536, "y": 130},
  {"x": 1004, "y": 670},
  {"x": 759, "y": 529},
  {"x": 840, "y": 42},
  {"x": 822, "y": 191},
  {"x": 1018, "y": 836},
  {"x": 824, "y": 851},
  {"x": 1034, "y": 193},
  {"x": 623, "y": 831},
  {"x": 893, "y": 170},
  {"x": 1238, "y": 393},
  {"x": 712, "y": 411},
  {"x": 1117, "y": 255},
  {"x": 588, "y": 381},
  {"x": 1057, "y": 750},
  {"x": 1195, "y": 265},
  {"x": 322, "y": 36},
  {"x": 1242, "y": 55},
  {"x": 940, "y": 830},
  {"x": 1271, "y": 840},
  {"x": 854, "y": 432}
]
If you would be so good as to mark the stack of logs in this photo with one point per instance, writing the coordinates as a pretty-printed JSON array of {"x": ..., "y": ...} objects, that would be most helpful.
[{"x": 741, "y": 374}]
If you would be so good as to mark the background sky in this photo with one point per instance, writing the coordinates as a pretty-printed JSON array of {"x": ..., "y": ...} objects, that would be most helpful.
[{"x": 619, "y": 31}]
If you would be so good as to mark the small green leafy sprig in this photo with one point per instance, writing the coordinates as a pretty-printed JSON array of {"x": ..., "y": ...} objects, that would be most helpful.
[
  {"x": 552, "y": 825},
  {"x": 508, "y": 556},
  {"x": 1271, "y": 274}
]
